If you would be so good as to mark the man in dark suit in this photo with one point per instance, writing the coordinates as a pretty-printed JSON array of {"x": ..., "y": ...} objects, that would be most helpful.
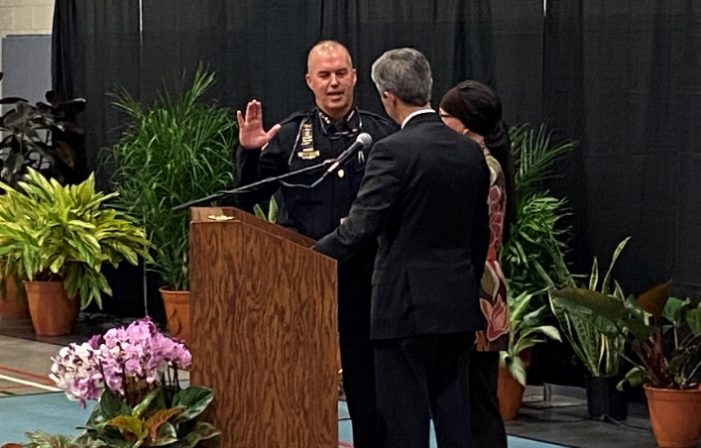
[{"x": 424, "y": 197}]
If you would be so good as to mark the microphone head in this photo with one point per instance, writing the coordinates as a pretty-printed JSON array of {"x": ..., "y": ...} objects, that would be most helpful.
[{"x": 364, "y": 139}]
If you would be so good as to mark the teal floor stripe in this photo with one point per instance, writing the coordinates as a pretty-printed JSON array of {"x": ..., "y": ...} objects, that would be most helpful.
[{"x": 53, "y": 413}]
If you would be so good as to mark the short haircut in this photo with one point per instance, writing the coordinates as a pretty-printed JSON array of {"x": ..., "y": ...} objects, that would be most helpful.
[
  {"x": 327, "y": 46},
  {"x": 406, "y": 73}
]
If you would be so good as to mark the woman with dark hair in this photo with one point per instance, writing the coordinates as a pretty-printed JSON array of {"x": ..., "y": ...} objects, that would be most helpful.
[{"x": 472, "y": 109}]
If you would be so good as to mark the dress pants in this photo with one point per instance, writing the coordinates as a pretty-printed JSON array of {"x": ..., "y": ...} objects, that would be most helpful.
[
  {"x": 487, "y": 426},
  {"x": 357, "y": 360},
  {"x": 359, "y": 385},
  {"x": 419, "y": 378}
]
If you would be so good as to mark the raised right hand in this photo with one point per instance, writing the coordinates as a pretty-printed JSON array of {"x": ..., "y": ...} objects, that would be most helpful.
[{"x": 251, "y": 132}]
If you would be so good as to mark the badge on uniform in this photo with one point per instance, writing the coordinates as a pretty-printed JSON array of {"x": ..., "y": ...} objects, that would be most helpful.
[{"x": 306, "y": 147}]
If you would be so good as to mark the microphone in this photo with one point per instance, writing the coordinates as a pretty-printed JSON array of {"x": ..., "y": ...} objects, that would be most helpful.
[{"x": 363, "y": 141}]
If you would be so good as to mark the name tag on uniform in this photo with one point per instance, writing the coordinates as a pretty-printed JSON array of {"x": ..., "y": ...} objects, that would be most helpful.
[
  {"x": 307, "y": 151},
  {"x": 308, "y": 154}
]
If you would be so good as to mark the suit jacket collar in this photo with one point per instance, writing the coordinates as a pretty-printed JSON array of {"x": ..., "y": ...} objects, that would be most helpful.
[{"x": 425, "y": 117}]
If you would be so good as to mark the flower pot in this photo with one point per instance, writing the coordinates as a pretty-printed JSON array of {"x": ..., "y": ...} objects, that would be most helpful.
[
  {"x": 510, "y": 394},
  {"x": 510, "y": 391},
  {"x": 177, "y": 309},
  {"x": 604, "y": 401},
  {"x": 675, "y": 416},
  {"x": 52, "y": 312},
  {"x": 12, "y": 305}
]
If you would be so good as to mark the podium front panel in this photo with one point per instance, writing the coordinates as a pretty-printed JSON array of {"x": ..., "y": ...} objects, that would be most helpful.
[{"x": 264, "y": 336}]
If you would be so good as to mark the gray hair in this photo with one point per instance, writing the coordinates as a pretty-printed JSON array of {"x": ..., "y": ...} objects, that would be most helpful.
[{"x": 406, "y": 73}]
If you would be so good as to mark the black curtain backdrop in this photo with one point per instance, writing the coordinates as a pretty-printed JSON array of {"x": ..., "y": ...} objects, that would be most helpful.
[
  {"x": 95, "y": 51},
  {"x": 518, "y": 52},
  {"x": 258, "y": 50},
  {"x": 455, "y": 35},
  {"x": 621, "y": 77}
]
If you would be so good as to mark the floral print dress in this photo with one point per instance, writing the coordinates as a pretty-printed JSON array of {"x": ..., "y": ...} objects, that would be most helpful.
[{"x": 493, "y": 284}]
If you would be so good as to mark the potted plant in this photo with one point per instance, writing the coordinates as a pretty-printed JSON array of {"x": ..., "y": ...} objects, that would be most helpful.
[
  {"x": 173, "y": 152},
  {"x": 527, "y": 328},
  {"x": 56, "y": 239},
  {"x": 601, "y": 353},
  {"x": 34, "y": 136},
  {"x": 531, "y": 258},
  {"x": 134, "y": 372},
  {"x": 665, "y": 335},
  {"x": 533, "y": 255}
]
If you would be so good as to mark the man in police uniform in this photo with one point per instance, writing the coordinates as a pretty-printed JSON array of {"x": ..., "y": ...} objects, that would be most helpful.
[{"x": 304, "y": 139}]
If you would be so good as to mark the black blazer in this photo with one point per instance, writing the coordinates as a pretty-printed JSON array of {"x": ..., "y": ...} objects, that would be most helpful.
[{"x": 424, "y": 195}]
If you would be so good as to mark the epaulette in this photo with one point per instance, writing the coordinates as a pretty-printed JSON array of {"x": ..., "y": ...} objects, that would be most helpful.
[{"x": 296, "y": 116}]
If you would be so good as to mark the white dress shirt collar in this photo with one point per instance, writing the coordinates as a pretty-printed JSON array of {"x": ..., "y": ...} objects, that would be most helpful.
[{"x": 415, "y": 113}]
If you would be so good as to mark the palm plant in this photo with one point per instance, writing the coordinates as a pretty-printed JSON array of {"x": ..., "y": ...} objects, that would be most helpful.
[
  {"x": 533, "y": 256},
  {"x": 176, "y": 151},
  {"x": 535, "y": 154}
]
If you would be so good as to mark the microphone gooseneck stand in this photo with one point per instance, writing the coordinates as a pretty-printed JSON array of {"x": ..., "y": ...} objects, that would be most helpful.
[{"x": 246, "y": 188}]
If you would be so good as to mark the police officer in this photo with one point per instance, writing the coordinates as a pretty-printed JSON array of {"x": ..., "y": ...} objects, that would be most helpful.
[{"x": 304, "y": 139}]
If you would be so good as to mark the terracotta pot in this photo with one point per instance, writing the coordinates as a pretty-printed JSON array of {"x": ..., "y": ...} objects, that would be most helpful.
[
  {"x": 53, "y": 313},
  {"x": 177, "y": 308},
  {"x": 509, "y": 393},
  {"x": 12, "y": 305},
  {"x": 675, "y": 416}
]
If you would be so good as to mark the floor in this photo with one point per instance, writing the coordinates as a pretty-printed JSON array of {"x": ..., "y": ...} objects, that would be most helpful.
[{"x": 28, "y": 400}]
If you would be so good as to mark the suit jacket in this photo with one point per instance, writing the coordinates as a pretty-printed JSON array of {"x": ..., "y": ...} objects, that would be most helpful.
[{"x": 424, "y": 196}]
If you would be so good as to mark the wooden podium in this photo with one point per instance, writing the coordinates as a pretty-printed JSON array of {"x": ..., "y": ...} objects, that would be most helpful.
[{"x": 263, "y": 331}]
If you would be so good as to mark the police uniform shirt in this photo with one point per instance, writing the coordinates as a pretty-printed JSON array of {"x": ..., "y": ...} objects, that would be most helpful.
[{"x": 307, "y": 139}]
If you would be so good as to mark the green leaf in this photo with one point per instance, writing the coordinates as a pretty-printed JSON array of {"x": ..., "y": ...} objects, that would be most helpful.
[
  {"x": 693, "y": 318},
  {"x": 616, "y": 254},
  {"x": 609, "y": 314},
  {"x": 167, "y": 435},
  {"x": 518, "y": 371},
  {"x": 38, "y": 439},
  {"x": 130, "y": 425},
  {"x": 549, "y": 331},
  {"x": 111, "y": 405},
  {"x": 635, "y": 377},
  {"x": 194, "y": 400},
  {"x": 158, "y": 419},
  {"x": 144, "y": 404},
  {"x": 201, "y": 432}
]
